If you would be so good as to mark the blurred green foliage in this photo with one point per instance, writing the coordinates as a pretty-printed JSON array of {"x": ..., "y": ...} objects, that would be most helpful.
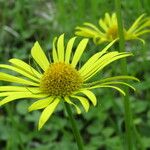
[{"x": 22, "y": 22}]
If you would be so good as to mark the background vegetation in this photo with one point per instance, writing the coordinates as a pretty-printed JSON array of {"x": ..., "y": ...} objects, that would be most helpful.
[{"x": 22, "y": 22}]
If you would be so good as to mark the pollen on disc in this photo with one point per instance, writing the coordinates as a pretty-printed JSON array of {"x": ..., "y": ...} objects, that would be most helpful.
[{"x": 60, "y": 79}]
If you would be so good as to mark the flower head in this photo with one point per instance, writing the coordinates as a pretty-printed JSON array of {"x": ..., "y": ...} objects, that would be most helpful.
[
  {"x": 108, "y": 30},
  {"x": 60, "y": 80}
]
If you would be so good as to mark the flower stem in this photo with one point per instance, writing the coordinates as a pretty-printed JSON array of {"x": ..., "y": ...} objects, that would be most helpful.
[
  {"x": 74, "y": 128},
  {"x": 128, "y": 117}
]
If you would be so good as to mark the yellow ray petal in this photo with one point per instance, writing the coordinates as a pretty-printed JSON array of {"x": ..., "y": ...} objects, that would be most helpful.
[
  {"x": 86, "y": 32},
  {"x": 19, "y": 95},
  {"x": 136, "y": 23},
  {"x": 99, "y": 40},
  {"x": 119, "y": 56},
  {"x": 104, "y": 63},
  {"x": 10, "y": 78},
  {"x": 24, "y": 66},
  {"x": 114, "y": 19},
  {"x": 107, "y": 19},
  {"x": 120, "y": 78},
  {"x": 90, "y": 95},
  {"x": 40, "y": 104},
  {"x": 83, "y": 101},
  {"x": 79, "y": 51},
  {"x": 20, "y": 89},
  {"x": 60, "y": 48},
  {"x": 54, "y": 52},
  {"x": 4, "y": 94},
  {"x": 95, "y": 66},
  {"x": 103, "y": 25},
  {"x": 94, "y": 58},
  {"x": 69, "y": 49},
  {"x": 47, "y": 112},
  {"x": 108, "y": 86},
  {"x": 9, "y": 93},
  {"x": 144, "y": 25},
  {"x": 137, "y": 38},
  {"x": 22, "y": 72},
  {"x": 117, "y": 82},
  {"x": 67, "y": 99},
  {"x": 39, "y": 56},
  {"x": 142, "y": 32},
  {"x": 92, "y": 26}
]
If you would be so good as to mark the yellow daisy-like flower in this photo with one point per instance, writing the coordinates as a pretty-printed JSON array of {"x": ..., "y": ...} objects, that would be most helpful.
[
  {"x": 108, "y": 30},
  {"x": 60, "y": 80}
]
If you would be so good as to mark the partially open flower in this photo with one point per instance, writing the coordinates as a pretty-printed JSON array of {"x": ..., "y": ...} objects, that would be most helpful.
[
  {"x": 108, "y": 29},
  {"x": 60, "y": 80}
]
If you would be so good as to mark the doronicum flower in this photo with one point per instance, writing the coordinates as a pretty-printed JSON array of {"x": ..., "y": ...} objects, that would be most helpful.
[
  {"x": 108, "y": 29},
  {"x": 60, "y": 80}
]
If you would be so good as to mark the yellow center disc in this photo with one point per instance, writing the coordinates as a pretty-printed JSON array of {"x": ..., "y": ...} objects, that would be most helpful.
[
  {"x": 112, "y": 33},
  {"x": 60, "y": 79}
]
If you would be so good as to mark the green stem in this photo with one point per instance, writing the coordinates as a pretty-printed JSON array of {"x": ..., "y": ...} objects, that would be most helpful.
[
  {"x": 128, "y": 122},
  {"x": 74, "y": 127}
]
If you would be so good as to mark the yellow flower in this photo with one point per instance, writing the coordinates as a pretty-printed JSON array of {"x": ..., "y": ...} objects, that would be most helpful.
[
  {"x": 60, "y": 80},
  {"x": 108, "y": 30}
]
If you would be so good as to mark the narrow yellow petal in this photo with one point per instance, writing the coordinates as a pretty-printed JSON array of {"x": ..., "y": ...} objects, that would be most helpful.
[
  {"x": 67, "y": 99},
  {"x": 60, "y": 48},
  {"x": 117, "y": 82},
  {"x": 20, "y": 89},
  {"x": 119, "y": 56},
  {"x": 69, "y": 49},
  {"x": 47, "y": 112},
  {"x": 8, "y": 93},
  {"x": 24, "y": 66},
  {"x": 140, "y": 39},
  {"x": 79, "y": 51},
  {"x": 114, "y": 19},
  {"x": 10, "y": 78},
  {"x": 19, "y": 95},
  {"x": 86, "y": 67},
  {"x": 142, "y": 32},
  {"x": 39, "y": 56},
  {"x": 145, "y": 25},
  {"x": 105, "y": 62},
  {"x": 136, "y": 23},
  {"x": 54, "y": 52},
  {"x": 40, "y": 104},
  {"x": 22, "y": 72},
  {"x": 107, "y": 19},
  {"x": 90, "y": 95},
  {"x": 27, "y": 93},
  {"x": 86, "y": 32},
  {"x": 108, "y": 86},
  {"x": 4, "y": 94},
  {"x": 92, "y": 26},
  {"x": 120, "y": 78},
  {"x": 103, "y": 25},
  {"x": 92, "y": 68},
  {"x": 99, "y": 40},
  {"x": 83, "y": 101}
]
